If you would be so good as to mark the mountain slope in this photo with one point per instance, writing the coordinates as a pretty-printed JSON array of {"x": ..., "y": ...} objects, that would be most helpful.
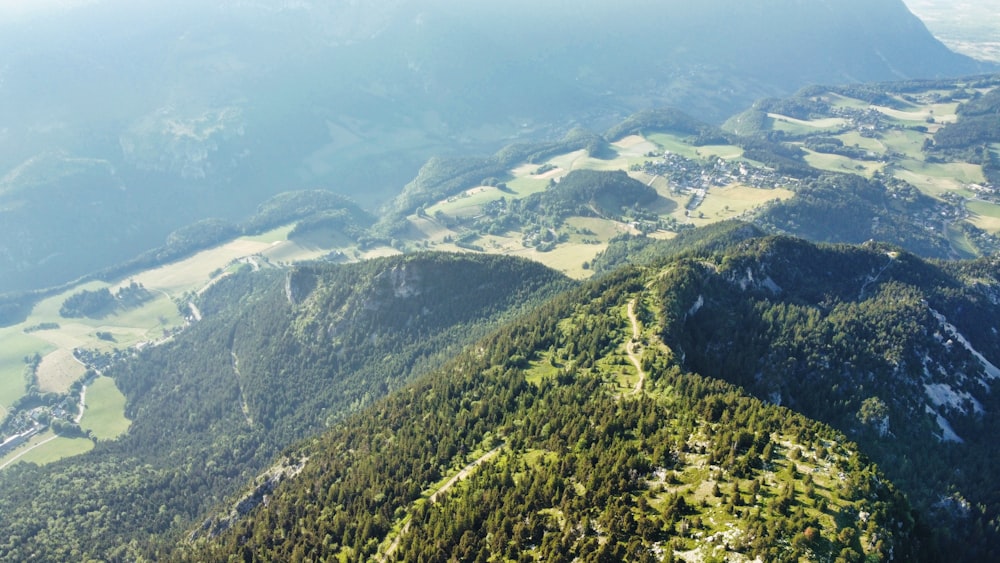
[
  {"x": 546, "y": 441},
  {"x": 898, "y": 353},
  {"x": 278, "y": 357}
]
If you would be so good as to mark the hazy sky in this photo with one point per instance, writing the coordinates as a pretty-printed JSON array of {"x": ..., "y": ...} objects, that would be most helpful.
[{"x": 16, "y": 8}]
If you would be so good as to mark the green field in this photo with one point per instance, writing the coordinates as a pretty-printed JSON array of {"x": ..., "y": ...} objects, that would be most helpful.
[
  {"x": 960, "y": 242},
  {"x": 838, "y": 163},
  {"x": 677, "y": 145},
  {"x": 806, "y": 127},
  {"x": 840, "y": 101},
  {"x": 854, "y": 138},
  {"x": 104, "y": 414},
  {"x": 730, "y": 201},
  {"x": 940, "y": 113},
  {"x": 935, "y": 179},
  {"x": 49, "y": 448},
  {"x": 905, "y": 141},
  {"x": 16, "y": 345},
  {"x": 984, "y": 215},
  {"x": 105, "y": 404},
  {"x": 272, "y": 236}
]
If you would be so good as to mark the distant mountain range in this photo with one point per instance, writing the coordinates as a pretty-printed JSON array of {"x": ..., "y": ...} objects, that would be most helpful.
[{"x": 122, "y": 122}]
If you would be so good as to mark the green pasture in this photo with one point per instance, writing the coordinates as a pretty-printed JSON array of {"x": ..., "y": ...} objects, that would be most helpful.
[
  {"x": 837, "y": 100},
  {"x": 984, "y": 215},
  {"x": 468, "y": 203},
  {"x": 838, "y": 163},
  {"x": 905, "y": 141},
  {"x": 523, "y": 186},
  {"x": 311, "y": 246},
  {"x": 569, "y": 257},
  {"x": 961, "y": 243},
  {"x": 940, "y": 113},
  {"x": 729, "y": 201},
  {"x": 539, "y": 370},
  {"x": 104, "y": 412},
  {"x": 16, "y": 345},
  {"x": 602, "y": 228},
  {"x": 806, "y": 127},
  {"x": 935, "y": 179},
  {"x": 853, "y": 138},
  {"x": 52, "y": 450},
  {"x": 676, "y": 144}
]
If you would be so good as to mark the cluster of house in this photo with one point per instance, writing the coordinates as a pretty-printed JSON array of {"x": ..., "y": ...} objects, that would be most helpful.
[
  {"x": 696, "y": 178},
  {"x": 687, "y": 175}
]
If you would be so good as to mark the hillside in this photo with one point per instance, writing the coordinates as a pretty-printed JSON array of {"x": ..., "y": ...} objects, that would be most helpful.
[
  {"x": 896, "y": 352},
  {"x": 607, "y": 418},
  {"x": 576, "y": 434},
  {"x": 277, "y": 356},
  {"x": 163, "y": 115}
]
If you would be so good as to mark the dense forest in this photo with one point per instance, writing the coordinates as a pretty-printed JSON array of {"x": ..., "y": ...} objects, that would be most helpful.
[
  {"x": 278, "y": 357},
  {"x": 603, "y": 425},
  {"x": 566, "y": 458}
]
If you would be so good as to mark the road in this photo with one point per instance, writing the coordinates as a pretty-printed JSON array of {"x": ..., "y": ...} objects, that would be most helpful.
[{"x": 18, "y": 456}]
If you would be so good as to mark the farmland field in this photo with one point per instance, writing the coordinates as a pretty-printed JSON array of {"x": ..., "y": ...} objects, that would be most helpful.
[
  {"x": 940, "y": 113},
  {"x": 728, "y": 202},
  {"x": 937, "y": 179},
  {"x": 907, "y": 142},
  {"x": 677, "y": 145},
  {"x": 838, "y": 163},
  {"x": 58, "y": 370},
  {"x": 960, "y": 242}
]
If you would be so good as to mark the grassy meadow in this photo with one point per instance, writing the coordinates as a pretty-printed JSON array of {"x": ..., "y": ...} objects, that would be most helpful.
[{"x": 104, "y": 414}]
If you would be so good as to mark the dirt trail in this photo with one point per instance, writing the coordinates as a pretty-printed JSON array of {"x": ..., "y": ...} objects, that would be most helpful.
[
  {"x": 465, "y": 472},
  {"x": 630, "y": 348},
  {"x": 239, "y": 384}
]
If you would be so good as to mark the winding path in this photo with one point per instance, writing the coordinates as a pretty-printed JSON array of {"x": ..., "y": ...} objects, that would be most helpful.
[
  {"x": 630, "y": 348},
  {"x": 468, "y": 469}
]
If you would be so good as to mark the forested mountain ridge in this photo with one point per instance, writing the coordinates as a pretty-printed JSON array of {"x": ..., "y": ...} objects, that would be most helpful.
[
  {"x": 898, "y": 353},
  {"x": 577, "y": 434},
  {"x": 278, "y": 356}
]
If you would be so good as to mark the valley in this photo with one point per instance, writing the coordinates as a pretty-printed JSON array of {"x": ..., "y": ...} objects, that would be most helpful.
[
  {"x": 696, "y": 184},
  {"x": 663, "y": 297}
]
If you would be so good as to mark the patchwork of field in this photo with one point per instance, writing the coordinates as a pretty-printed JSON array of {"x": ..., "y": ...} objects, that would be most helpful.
[
  {"x": 895, "y": 148},
  {"x": 571, "y": 256}
]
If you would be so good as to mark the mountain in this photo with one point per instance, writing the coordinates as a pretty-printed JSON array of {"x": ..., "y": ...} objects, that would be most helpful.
[
  {"x": 729, "y": 398},
  {"x": 278, "y": 356},
  {"x": 579, "y": 433},
  {"x": 896, "y": 352},
  {"x": 122, "y": 123}
]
